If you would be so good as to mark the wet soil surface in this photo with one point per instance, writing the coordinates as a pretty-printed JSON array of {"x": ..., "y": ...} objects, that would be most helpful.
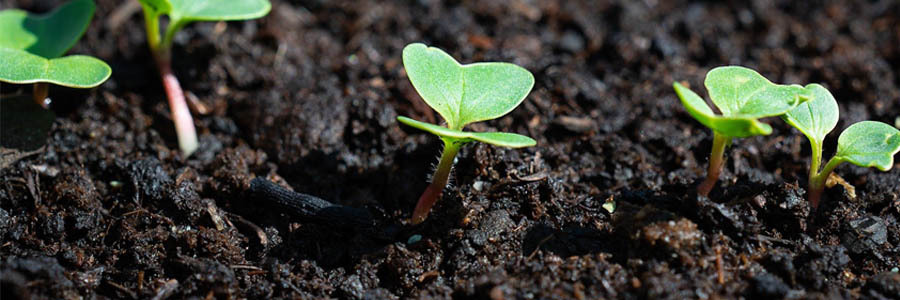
[{"x": 307, "y": 98}]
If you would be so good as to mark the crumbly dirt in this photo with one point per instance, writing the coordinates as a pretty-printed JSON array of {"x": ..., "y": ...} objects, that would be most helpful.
[{"x": 308, "y": 96}]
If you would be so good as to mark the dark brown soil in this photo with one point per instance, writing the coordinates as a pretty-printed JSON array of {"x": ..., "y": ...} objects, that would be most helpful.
[{"x": 308, "y": 96}]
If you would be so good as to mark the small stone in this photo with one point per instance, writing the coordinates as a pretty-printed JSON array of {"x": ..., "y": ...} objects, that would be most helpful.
[
  {"x": 766, "y": 285},
  {"x": 478, "y": 185},
  {"x": 883, "y": 286},
  {"x": 415, "y": 238},
  {"x": 864, "y": 234},
  {"x": 674, "y": 235},
  {"x": 571, "y": 41}
]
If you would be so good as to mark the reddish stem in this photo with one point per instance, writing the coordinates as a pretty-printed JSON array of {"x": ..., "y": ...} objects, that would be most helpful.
[
  {"x": 817, "y": 182},
  {"x": 426, "y": 201},
  {"x": 715, "y": 164},
  {"x": 814, "y": 195},
  {"x": 39, "y": 94},
  {"x": 181, "y": 115},
  {"x": 438, "y": 182}
]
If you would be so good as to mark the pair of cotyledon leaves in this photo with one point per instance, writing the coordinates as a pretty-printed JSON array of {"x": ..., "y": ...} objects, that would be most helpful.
[
  {"x": 866, "y": 144},
  {"x": 743, "y": 96},
  {"x": 463, "y": 94},
  {"x": 31, "y": 46}
]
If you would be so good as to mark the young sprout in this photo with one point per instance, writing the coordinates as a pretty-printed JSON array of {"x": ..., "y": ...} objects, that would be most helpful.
[
  {"x": 743, "y": 96},
  {"x": 31, "y": 47},
  {"x": 462, "y": 94},
  {"x": 865, "y": 144},
  {"x": 182, "y": 12}
]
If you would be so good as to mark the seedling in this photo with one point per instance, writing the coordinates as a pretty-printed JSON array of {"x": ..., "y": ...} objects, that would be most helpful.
[
  {"x": 32, "y": 45},
  {"x": 743, "y": 96},
  {"x": 462, "y": 94},
  {"x": 181, "y": 13},
  {"x": 865, "y": 144}
]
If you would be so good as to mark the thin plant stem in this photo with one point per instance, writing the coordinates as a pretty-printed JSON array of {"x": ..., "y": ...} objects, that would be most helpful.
[
  {"x": 181, "y": 115},
  {"x": 39, "y": 94},
  {"x": 817, "y": 182},
  {"x": 151, "y": 26},
  {"x": 816, "y": 159},
  {"x": 716, "y": 158},
  {"x": 438, "y": 181}
]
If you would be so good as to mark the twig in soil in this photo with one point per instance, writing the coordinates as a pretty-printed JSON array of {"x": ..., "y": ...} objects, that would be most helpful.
[
  {"x": 196, "y": 105},
  {"x": 719, "y": 271},
  {"x": 34, "y": 185},
  {"x": 538, "y": 247},
  {"x": 166, "y": 289},
  {"x": 140, "y": 282},
  {"x": 245, "y": 267},
  {"x": 121, "y": 14},
  {"x": 311, "y": 208},
  {"x": 769, "y": 239},
  {"x": 261, "y": 234},
  {"x": 507, "y": 181},
  {"x": 427, "y": 275},
  {"x": 214, "y": 216},
  {"x": 122, "y": 289}
]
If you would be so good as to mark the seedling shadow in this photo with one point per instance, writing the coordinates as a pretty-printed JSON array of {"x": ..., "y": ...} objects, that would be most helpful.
[
  {"x": 382, "y": 191},
  {"x": 24, "y": 125},
  {"x": 572, "y": 240}
]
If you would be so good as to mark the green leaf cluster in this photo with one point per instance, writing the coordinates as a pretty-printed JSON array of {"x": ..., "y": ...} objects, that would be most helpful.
[
  {"x": 463, "y": 94},
  {"x": 743, "y": 96},
  {"x": 32, "y": 46},
  {"x": 865, "y": 144}
]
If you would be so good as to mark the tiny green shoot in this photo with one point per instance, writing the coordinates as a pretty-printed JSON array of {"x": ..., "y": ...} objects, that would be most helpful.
[
  {"x": 865, "y": 144},
  {"x": 743, "y": 96},
  {"x": 181, "y": 13},
  {"x": 32, "y": 47},
  {"x": 462, "y": 94}
]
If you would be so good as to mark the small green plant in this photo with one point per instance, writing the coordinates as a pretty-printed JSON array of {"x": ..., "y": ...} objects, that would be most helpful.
[
  {"x": 31, "y": 47},
  {"x": 743, "y": 96},
  {"x": 462, "y": 94},
  {"x": 181, "y": 13},
  {"x": 865, "y": 144}
]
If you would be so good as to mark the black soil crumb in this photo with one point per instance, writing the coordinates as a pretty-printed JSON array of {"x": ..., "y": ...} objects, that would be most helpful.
[{"x": 307, "y": 98}]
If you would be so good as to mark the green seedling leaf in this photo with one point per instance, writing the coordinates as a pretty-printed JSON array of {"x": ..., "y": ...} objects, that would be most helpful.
[
  {"x": 49, "y": 35},
  {"x": 219, "y": 10},
  {"x": 183, "y": 11},
  {"x": 464, "y": 94},
  {"x": 156, "y": 7},
  {"x": 869, "y": 144},
  {"x": 817, "y": 117},
  {"x": 743, "y": 96},
  {"x": 730, "y": 126},
  {"x": 77, "y": 71},
  {"x": 503, "y": 139}
]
